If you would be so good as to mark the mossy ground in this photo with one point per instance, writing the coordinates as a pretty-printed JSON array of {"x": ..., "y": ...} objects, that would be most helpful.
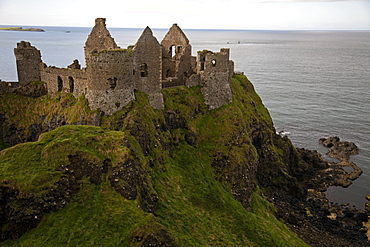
[
  {"x": 23, "y": 112},
  {"x": 194, "y": 205}
]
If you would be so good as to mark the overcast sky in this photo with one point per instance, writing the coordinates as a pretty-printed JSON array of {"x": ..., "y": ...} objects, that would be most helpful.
[{"x": 198, "y": 14}]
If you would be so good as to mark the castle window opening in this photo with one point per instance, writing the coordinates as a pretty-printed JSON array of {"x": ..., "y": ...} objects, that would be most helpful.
[
  {"x": 71, "y": 84},
  {"x": 172, "y": 51},
  {"x": 60, "y": 84},
  {"x": 133, "y": 72},
  {"x": 115, "y": 81},
  {"x": 213, "y": 62},
  {"x": 201, "y": 66},
  {"x": 179, "y": 49},
  {"x": 112, "y": 82},
  {"x": 143, "y": 70}
]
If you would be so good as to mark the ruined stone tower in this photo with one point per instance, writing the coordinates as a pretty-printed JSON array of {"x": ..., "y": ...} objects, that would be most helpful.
[
  {"x": 147, "y": 63},
  {"x": 215, "y": 70},
  {"x": 28, "y": 60},
  {"x": 99, "y": 39},
  {"x": 112, "y": 73},
  {"x": 109, "y": 84},
  {"x": 178, "y": 63}
]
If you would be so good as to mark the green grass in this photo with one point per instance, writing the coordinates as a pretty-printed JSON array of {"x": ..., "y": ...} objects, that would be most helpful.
[
  {"x": 199, "y": 211},
  {"x": 97, "y": 216},
  {"x": 23, "y": 112},
  {"x": 35, "y": 165},
  {"x": 195, "y": 205}
]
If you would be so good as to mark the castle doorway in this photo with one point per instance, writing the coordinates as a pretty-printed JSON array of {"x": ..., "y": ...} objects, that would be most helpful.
[
  {"x": 60, "y": 84},
  {"x": 71, "y": 84}
]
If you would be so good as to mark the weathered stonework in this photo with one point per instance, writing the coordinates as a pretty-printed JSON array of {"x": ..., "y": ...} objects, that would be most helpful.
[
  {"x": 28, "y": 59},
  {"x": 112, "y": 73}
]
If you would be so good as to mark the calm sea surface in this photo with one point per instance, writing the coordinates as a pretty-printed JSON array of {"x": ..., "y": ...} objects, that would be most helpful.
[{"x": 315, "y": 84}]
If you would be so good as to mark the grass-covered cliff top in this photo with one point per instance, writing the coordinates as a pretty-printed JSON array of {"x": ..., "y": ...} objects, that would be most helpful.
[{"x": 145, "y": 176}]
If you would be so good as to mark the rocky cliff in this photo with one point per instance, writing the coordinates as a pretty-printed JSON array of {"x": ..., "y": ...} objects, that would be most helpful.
[{"x": 182, "y": 176}]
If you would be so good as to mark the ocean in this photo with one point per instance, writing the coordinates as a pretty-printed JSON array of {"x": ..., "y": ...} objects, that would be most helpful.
[{"x": 314, "y": 83}]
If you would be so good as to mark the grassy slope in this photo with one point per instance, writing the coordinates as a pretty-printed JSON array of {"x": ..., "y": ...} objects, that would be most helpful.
[
  {"x": 194, "y": 207},
  {"x": 22, "y": 112}
]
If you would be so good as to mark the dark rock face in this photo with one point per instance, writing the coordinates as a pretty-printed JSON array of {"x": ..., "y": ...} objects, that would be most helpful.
[
  {"x": 173, "y": 121},
  {"x": 131, "y": 181},
  {"x": 153, "y": 234},
  {"x": 160, "y": 238},
  {"x": 318, "y": 221},
  {"x": 21, "y": 213},
  {"x": 240, "y": 177},
  {"x": 13, "y": 135}
]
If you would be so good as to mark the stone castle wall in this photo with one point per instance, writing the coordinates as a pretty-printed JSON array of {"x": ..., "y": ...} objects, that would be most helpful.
[
  {"x": 112, "y": 74},
  {"x": 28, "y": 59},
  {"x": 178, "y": 63},
  {"x": 216, "y": 71},
  {"x": 110, "y": 80},
  {"x": 147, "y": 61},
  {"x": 64, "y": 79}
]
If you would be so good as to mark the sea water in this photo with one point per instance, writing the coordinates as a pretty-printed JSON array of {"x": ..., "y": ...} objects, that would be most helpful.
[{"x": 314, "y": 83}]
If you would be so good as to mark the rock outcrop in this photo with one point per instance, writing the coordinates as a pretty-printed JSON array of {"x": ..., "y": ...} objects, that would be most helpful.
[
  {"x": 185, "y": 175},
  {"x": 339, "y": 149}
]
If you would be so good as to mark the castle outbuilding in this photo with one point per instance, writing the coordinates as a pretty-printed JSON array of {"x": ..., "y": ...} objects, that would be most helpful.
[{"x": 112, "y": 74}]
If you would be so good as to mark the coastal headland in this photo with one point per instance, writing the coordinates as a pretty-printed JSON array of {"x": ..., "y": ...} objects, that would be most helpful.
[
  {"x": 189, "y": 157},
  {"x": 31, "y": 29}
]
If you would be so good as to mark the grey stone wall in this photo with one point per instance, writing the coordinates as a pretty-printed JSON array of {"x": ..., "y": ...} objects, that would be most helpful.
[
  {"x": 110, "y": 83},
  {"x": 28, "y": 59},
  {"x": 99, "y": 39},
  {"x": 215, "y": 71},
  {"x": 147, "y": 64},
  {"x": 112, "y": 74},
  {"x": 177, "y": 63},
  {"x": 64, "y": 79}
]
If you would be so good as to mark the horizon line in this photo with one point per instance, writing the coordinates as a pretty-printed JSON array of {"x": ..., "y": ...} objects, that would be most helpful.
[{"x": 196, "y": 29}]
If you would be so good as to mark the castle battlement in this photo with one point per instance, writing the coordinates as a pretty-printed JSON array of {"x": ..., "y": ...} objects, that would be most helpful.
[{"x": 112, "y": 73}]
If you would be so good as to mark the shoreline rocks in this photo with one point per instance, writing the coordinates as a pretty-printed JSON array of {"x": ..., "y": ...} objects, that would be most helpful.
[{"x": 339, "y": 149}]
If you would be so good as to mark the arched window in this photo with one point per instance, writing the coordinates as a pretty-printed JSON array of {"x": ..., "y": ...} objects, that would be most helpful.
[
  {"x": 213, "y": 63},
  {"x": 60, "y": 84},
  {"x": 71, "y": 84}
]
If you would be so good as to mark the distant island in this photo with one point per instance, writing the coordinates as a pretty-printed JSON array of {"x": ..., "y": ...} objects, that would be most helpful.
[{"x": 22, "y": 29}]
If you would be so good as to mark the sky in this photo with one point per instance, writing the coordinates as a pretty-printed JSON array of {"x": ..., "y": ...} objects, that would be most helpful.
[{"x": 191, "y": 14}]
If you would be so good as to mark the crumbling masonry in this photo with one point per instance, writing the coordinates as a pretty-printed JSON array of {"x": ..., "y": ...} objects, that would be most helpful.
[{"x": 112, "y": 74}]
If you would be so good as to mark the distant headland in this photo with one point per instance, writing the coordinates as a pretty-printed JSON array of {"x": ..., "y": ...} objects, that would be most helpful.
[{"x": 22, "y": 29}]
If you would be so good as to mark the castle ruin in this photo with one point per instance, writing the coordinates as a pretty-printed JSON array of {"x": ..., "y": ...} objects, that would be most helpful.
[{"x": 112, "y": 74}]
